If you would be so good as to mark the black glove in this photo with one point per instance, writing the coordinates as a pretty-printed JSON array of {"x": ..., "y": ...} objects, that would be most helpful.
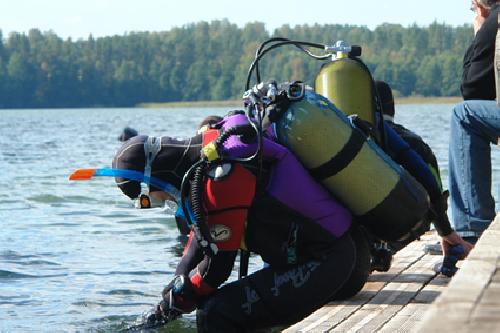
[{"x": 178, "y": 296}]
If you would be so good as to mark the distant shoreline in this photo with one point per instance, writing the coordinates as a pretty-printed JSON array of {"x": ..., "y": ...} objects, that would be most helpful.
[
  {"x": 238, "y": 103},
  {"x": 192, "y": 104},
  {"x": 428, "y": 100}
]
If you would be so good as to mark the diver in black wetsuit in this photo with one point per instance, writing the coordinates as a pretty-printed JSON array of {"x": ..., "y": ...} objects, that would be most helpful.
[
  {"x": 308, "y": 264},
  {"x": 438, "y": 198}
]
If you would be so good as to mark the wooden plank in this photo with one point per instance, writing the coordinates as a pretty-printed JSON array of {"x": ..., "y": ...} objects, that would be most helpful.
[
  {"x": 471, "y": 302},
  {"x": 390, "y": 301},
  {"x": 383, "y": 303},
  {"x": 405, "y": 320},
  {"x": 412, "y": 314},
  {"x": 411, "y": 297},
  {"x": 390, "y": 311},
  {"x": 384, "y": 306}
]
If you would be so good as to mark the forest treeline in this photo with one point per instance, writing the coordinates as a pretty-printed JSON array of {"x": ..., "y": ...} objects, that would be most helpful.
[{"x": 209, "y": 61}]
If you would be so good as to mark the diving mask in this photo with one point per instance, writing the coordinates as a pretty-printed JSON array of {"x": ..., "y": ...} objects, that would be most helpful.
[{"x": 147, "y": 201}]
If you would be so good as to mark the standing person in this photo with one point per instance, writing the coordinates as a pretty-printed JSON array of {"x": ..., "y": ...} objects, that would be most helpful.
[
  {"x": 440, "y": 218},
  {"x": 475, "y": 124}
]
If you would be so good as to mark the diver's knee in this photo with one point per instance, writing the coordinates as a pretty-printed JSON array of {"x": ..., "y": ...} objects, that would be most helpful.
[{"x": 211, "y": 318}]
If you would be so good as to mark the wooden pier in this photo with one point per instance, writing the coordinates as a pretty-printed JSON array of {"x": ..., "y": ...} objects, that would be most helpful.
[
  {"x": 471, "y": 302},
  {"x": 411, "y": 297}
]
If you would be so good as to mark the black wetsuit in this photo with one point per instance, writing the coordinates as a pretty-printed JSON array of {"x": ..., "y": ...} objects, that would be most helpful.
[
  {"x": 307, "y": 266},
  {"x": 418, "y": 145}
]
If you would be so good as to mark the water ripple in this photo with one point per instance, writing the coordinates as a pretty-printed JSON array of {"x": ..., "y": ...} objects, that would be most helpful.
[
  {"x": 122, "y": 273},
  {"x": 14, "y": 275},
  {"x": 5, "y": 274},
  {"x": 46, "y": 198},
  {"x": 125, "y": 292},
  {"x": 96, "y": 304},
  {"x": 33, "y": 262},
  {"x": 13, "y": 255}
]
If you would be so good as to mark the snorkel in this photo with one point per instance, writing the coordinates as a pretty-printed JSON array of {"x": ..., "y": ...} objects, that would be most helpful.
[
  {"x": 152, "y": 146},
  {"x": 181, "y": 168},
  {"x": 88, "y": 174}
]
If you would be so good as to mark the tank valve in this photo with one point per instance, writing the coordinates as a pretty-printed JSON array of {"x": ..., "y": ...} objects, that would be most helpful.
[{"x": 342, "y": 49}]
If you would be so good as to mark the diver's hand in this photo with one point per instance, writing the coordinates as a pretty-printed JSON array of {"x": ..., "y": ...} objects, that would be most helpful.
[
  {"x": 179, "y": 295},
  {"x": 455, "y": 239}
]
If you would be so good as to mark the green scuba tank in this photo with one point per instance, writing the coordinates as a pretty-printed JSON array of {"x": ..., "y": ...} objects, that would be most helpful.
[
  {"x": 380, "y": 193},
  {"x": 340, "y": 152},
  {"x": 347, "y": 83}
]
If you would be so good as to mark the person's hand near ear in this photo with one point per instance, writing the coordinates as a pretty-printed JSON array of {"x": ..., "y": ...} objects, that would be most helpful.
[
  {"x": 481, "y": 15},
  {"x": 478, "y": 23}
]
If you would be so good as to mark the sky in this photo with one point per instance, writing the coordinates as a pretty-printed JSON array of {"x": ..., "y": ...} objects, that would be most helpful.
[{"x": 80, "y": 18}]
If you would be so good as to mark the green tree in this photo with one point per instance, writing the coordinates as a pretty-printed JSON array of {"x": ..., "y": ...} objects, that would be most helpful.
[{"x": 210, "y": 60}]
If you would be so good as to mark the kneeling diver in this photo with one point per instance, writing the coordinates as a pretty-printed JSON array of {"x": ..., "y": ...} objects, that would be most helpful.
[
  {"x": 287, "y": 218},
  {"x": 409, "y": 149}
]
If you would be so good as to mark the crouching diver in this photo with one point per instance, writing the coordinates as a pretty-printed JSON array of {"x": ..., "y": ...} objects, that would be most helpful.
[
  {"x": 409, "y": 150},
  {"x": 283, "y": 215}
]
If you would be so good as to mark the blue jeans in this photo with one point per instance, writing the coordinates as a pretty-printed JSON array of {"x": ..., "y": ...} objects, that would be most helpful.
[{"x": 474, "y": 125}]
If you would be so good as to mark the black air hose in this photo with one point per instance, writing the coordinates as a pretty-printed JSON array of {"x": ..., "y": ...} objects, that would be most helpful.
[
  {"x": 198, "y": 210},
  {"x": 246, "y": 131},
  {"x": 201, "y": 232},
  {"x": 196, "y": 174}
]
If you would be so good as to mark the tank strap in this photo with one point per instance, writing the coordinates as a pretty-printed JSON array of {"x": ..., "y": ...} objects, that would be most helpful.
[
  {"x": 342, "y": 159},
  {"x": 152, "y": 147}
]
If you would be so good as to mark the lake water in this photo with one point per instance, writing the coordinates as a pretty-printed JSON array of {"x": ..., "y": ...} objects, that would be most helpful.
[{"x": 75, "y": 256}]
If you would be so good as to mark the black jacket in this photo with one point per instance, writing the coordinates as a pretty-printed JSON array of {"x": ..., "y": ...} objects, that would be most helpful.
[{"x": 478, "y": 78}]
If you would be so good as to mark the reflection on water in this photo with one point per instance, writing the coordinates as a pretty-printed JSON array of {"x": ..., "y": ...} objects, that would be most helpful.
[{"x": 77, "y": 255}]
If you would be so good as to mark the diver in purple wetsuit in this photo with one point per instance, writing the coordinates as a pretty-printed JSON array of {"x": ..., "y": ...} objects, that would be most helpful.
[{"x": 277, "y": 211}]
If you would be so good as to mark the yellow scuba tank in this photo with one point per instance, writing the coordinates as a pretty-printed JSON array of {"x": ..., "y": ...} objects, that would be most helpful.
[
  {"x": 347, "y": 83},
  {"x": 379, "y": 192}
]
